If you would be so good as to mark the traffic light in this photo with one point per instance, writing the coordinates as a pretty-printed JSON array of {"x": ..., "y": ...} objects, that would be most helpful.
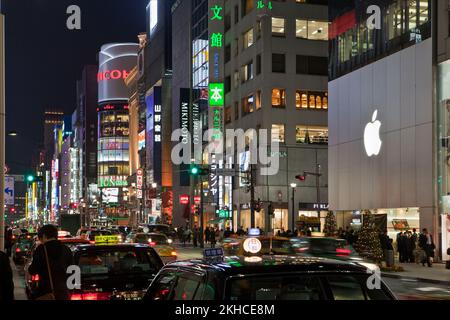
[
  {"x": 301, "y": 177},
  {"x": 30, "y": 178},
  {"x": 13, "y": 210},
  {"x": 196, "y": 170}
]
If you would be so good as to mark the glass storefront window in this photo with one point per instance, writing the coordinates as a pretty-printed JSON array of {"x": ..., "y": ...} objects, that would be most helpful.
[
  {"x": 280, "y": 220},
  {"x": 311, "y": 134}
]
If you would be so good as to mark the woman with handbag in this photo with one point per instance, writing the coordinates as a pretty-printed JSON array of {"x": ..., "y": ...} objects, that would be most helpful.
[{"x": 50, "y": 261}]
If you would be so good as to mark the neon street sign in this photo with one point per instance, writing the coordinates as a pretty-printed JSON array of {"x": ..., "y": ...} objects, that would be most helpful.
[{"x": 216, "y": 94}]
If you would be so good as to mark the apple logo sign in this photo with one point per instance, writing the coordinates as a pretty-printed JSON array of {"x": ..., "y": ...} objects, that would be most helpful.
[{"x": 372, "y": 141}]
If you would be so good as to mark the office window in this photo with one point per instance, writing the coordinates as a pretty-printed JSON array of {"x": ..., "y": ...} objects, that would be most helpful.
[
  {"x": 236, "y": 110},
  {"x": 248, "y": 104},
  {"x": 236, "y": 79},
  {"x": 258, "y": 29},
  {"x": 311, "y": 65},
  {"x": 278, "y": 132},
  {"x": 236, "y": 14},
  {"x": 318, "y": 30},
  {"x": 247, "y": 72},
  {"x": 248, "y": 38},
  {"x": 247, "y": 6},
  {"x": 278, "y": 98},
  {"x": 278, "y": 26},
  {"x": 278, "y": 63},
  {"x": 227, "y": 22},
  {"x": 258, "y": 100},
  {"x": 301, "y": 28},
  {"x": 311, "y": 100},
  {"x": 236, "y": 47},
  {"x": 228, "y": 115},
  {"x": 227, "y": 84},
  {"x": 258, "y": 64},
  {"x": 227, "y": 53}
]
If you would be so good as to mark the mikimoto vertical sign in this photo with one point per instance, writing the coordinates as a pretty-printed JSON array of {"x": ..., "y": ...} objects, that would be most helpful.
[{"x": 9, "y": 191}]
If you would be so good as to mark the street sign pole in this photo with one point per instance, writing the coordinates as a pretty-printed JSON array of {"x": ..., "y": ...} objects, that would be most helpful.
[{"x": 2, "y": 132}]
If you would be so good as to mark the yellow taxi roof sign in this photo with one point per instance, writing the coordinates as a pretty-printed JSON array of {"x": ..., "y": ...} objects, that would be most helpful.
[{"x": 110, "y": 239}]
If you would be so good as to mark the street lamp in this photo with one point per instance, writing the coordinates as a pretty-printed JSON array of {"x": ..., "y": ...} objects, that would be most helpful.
[{"x": 293, "y": 186}]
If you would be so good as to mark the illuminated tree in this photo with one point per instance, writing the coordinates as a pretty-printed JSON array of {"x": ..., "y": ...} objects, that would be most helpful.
[
  {"x": 330, "y": 225},
  {"x": 368, "y": 244}
]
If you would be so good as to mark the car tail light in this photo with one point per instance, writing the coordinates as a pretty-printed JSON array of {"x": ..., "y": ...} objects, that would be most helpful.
[
  {"x": 343, "y": 252},
  {"x": 17, "y": 249},
  {"x": 173, "y": 253},
  {"x": 35, "y": 278},
  {"x": 152, "y": 243},
  {"x": 91, "y": 296},
  {"x": 302, "y": 249},
  {"x": 92, "y": 242}
]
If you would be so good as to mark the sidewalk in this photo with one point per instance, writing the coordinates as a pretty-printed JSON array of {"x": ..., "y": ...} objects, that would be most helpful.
[
  {"x": 438, "y": 274},
  {"x": 19, "y": 282}
]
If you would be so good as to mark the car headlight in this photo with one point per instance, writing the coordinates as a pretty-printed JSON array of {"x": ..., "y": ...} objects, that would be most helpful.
[{"x": 170, "y": 241}]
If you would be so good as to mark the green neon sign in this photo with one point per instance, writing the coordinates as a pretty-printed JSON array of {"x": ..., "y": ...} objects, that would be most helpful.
[
  {"x": 216, "y": 94},
  {"x": 217, "y": 13},
  {"x": 217, "y": 40}
]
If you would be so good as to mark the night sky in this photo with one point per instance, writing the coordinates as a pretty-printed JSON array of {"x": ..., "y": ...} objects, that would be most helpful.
[{"x": 44, "y": 59}]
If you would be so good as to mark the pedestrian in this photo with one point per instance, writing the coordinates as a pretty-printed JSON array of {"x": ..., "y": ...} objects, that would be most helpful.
[
  {"x": 212, "y": 237},
  {"x": 221, "y": 235},
  {"x": 180, "y": 233},
  {"x": 227, "y": 233},
  {"x": 426, "y": 243},
  {"x": 8, "y": 241},
  {"x": 195, "y": 236},
  {"x": 50, "y": 262},
  {"x": 400, "y": 247},
  {"x": 207, "y": 235},
  {"x": 6, "y": 279}
]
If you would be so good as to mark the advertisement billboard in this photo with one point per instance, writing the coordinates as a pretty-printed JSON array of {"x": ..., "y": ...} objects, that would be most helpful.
[
  {"x": 110, "y": 195},
  {"x": 115, "y": 63}
]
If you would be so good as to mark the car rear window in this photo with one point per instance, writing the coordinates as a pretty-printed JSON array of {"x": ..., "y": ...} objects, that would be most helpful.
[
  {"x": 276, "y": 246},
  {"x": 275, "y": 287},
  {"x": 116, "y": 262}
]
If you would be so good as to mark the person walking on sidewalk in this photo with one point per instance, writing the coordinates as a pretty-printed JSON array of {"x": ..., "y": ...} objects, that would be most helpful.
[
  {"x": 50, "y": 262},
  {"x": 195, "y": 236},
  {"x": 426, "y": 243},
  {"x": 207, "y": 235},
  {"x": 6, "y": 279},
  {"x": 212, "y": 237}
]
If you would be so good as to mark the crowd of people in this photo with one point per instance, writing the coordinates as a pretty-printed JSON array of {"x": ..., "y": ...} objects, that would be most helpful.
[{"x": 415, "y": 248}]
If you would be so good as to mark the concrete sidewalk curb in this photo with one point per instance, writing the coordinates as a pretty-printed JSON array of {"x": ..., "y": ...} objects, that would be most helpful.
[{"x": 399, "y": 276}]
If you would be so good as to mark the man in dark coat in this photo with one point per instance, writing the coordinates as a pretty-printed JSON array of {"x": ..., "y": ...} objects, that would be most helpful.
[
  {"x": 207, "y": 235},
  {"x": 59, "y": 257},
  {"x": 426, "y": 243},
  {"x": 6, "y": 279}
]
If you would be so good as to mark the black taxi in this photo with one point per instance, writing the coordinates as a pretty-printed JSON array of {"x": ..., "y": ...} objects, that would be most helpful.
[
  {"x": 272, "y": 277},
  {"x": 114, "y": 271}
]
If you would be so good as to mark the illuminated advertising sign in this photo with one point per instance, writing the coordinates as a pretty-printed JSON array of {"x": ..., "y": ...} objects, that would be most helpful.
[
  {"x": 115, "y": 62},
  {"x": 139, "y": 178},
  {"x": 216, "y": 94},
  {"x": 153, "y": 14},
  {"x": 154, "y": 132},
  {"x": 112, "y": 181},
  {"x": 141, "y": 140},
  {"x": 184, "y": 199},
  {"x": 197, "y": 199},
  {"x": 110, "y": 195}
]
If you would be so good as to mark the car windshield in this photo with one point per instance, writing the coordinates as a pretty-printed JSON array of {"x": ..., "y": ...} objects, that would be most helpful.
[
  {"x": 276, "y": 246},
  {"x": 115, "y": 262},
  {"x": 95, "y": 233},
  {"x": 301, "y": 287},
  {"x": 163, "y": 229},
  {"x": 146, "y": 238}
]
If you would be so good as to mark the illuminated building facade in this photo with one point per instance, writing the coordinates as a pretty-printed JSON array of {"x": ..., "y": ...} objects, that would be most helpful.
[{"x": 116, "y": 61}]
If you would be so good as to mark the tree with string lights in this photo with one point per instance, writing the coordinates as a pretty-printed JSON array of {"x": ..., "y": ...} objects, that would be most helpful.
[
  {"x": 368, "y": 244},
  {"x": 330, "y": 227}
]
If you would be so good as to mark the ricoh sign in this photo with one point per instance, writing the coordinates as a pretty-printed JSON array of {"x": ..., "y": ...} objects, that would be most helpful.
[{"x": 116, "y": 60}]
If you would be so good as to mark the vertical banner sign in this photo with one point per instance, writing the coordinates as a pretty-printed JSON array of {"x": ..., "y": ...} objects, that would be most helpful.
[
  {"x": 185, "y": 125},
  {"x": 139, "y": 182},
  {"x": 154, "y": 133},
  {"x": 216, "y": 89}
]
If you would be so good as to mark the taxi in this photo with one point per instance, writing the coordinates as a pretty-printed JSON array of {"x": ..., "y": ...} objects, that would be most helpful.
[
  {"x": 114, "y": 271},
  {"x": 21, "y": 247},
  {"x": 268, "y": 245},
  {"x": 158, "y": 241},
  {"x": 275, "y": 277}
]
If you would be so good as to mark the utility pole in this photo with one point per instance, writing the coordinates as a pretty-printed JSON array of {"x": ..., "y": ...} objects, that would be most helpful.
[
  {"x": 2, "y": 131},
  {"x": 252, "y": 196}
]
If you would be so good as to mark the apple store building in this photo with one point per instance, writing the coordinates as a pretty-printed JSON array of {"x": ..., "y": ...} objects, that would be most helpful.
[{"x": 382, "y": 130}]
